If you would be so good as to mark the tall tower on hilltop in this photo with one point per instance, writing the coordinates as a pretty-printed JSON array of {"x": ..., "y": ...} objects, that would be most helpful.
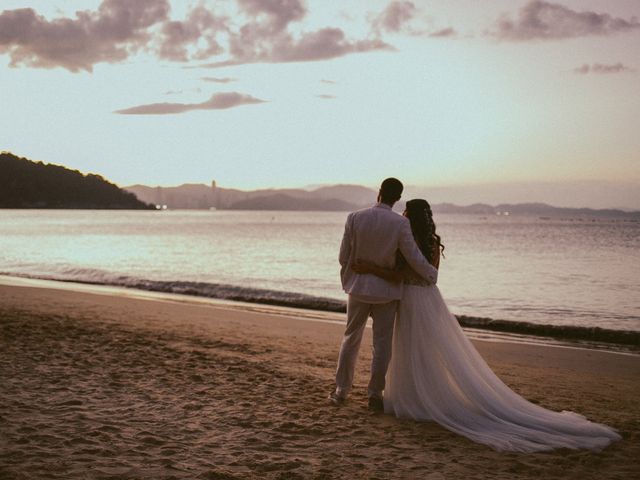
[{"x": 215, "y": 195}]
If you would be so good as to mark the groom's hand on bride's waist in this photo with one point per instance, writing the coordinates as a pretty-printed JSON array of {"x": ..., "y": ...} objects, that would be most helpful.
[{"x": 362, "y": 266}]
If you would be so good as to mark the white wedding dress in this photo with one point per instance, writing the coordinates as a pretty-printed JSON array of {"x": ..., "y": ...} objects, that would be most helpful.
[{"x": 437, "y": 374}]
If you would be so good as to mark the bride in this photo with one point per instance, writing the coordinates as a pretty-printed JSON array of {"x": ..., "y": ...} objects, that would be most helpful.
[{"x": 436, "y": 373}]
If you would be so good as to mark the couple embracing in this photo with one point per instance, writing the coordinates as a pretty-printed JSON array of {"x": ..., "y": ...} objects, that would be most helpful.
[{"x": 425, "y": 368}]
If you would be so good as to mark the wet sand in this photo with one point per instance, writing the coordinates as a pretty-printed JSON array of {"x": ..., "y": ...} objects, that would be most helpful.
[{"x": 100, "y": 386}]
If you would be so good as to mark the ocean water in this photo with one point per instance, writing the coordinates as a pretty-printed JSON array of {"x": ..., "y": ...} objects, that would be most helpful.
[{"x": 563, "y": 271}]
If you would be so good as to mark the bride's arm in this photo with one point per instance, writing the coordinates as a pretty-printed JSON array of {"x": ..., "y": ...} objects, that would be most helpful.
[
  {"x": 436, "y": 256},
  {"x": 388, "y": 274}
]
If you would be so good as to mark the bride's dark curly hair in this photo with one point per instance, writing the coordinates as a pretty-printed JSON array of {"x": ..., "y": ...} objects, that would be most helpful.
[{"x": 423, "y": 228}]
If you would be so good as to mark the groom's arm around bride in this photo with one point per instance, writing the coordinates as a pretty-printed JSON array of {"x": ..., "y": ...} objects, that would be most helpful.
[{"x": 374, "y": 235}]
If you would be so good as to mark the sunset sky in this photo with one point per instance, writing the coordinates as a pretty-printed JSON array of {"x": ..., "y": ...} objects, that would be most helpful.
[{"x": 455, "y": 95}]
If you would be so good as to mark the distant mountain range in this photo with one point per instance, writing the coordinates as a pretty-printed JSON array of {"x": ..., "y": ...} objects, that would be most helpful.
[
  {"x": 538, "y": 209},
  {"x": 190, "y": 196},
  {"x": 28, "y": 184},
  {"x": 332, "y": 198}
]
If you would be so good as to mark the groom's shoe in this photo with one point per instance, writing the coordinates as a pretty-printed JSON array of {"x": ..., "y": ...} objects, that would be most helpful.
[
  {"x": 376, "y": 405},
  {"x": 336, "y": 399}
]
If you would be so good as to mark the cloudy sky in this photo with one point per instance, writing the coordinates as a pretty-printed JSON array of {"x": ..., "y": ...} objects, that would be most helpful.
[{"x": 493, "y": 96}]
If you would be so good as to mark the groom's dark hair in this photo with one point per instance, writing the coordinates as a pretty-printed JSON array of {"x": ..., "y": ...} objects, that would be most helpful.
[{"x": 390, "y": 190}]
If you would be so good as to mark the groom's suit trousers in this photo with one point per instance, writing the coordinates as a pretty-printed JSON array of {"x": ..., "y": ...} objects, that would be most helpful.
[{"x": 383, "y": 315}]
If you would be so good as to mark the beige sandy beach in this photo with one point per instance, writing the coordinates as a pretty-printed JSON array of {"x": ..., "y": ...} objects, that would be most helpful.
[{"x": 99, "y": 386}]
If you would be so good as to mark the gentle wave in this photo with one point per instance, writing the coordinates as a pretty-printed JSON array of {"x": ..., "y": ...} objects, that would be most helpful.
[
  {"x": 309, "y": 302},
  {"x": 565, "y": 332},
  {"x": 198, "y": 289}
]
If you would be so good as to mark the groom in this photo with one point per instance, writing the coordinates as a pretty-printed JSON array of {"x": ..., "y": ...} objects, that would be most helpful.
[{"x": 374, "y": 235}]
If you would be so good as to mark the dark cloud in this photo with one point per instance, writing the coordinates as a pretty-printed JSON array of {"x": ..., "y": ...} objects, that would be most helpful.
[
  {"x": 540, "y": 20},
  {"x": 116, "y": 30},
  {"x": 399, "y": 16},
  {"x": 394, "y": 17},
  {"x": 279, "y": 13},
  {"x": 219, "y": 79},
  {"x": 219, "y": 101},
  {"x": 259, "y": 32},
  {"x": 265, "y": 38},
  {"x": 197, "y": 32},
  {"x": 321, "y": 45},
  {"x": 601, "y": 68},
  {"x": 251, "y": 46},
  {"x": 444, "y": 33},
  {"x": 324, "y": 96}
]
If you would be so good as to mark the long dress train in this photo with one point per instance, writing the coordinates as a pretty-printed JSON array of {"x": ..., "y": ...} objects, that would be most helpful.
[{"x": 437, "y": 374}]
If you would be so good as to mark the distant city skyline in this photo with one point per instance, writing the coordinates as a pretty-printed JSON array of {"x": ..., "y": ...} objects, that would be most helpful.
[{"x": 535, "y": 99}]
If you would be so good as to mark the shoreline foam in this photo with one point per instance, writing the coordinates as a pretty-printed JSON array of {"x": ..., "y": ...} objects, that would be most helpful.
[{"x": 587, "y": 337}]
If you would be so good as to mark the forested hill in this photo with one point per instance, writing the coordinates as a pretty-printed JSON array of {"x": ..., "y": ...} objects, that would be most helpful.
[{"x": 28, "y": 184}]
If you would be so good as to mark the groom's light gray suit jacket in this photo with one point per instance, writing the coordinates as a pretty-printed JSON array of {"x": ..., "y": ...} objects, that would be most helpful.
[{"x": 375, "y": 234}]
